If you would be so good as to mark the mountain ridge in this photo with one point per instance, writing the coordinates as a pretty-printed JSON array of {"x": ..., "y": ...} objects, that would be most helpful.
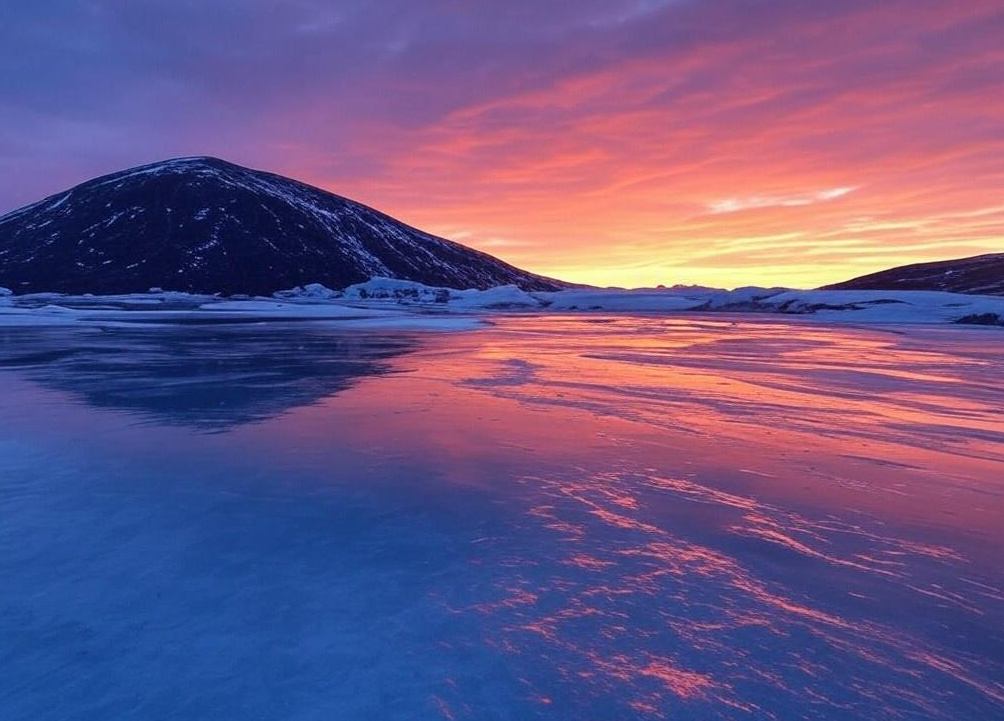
[
  {"x": 202, "y": 224},
  {"x": 974, "y": 275}
]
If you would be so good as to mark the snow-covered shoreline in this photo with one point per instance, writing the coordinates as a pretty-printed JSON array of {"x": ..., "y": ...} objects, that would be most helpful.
[{"x": 388, "y": 303}]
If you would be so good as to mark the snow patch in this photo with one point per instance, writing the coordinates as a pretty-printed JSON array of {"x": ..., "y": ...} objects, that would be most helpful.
[
  {"x": 406, "y": 292},
  {"x": 641, "y": 300},
  {"x": 314, "y": 291},
  {"x": 876, "y": 306},
  {"x": 854, "y": 306}
]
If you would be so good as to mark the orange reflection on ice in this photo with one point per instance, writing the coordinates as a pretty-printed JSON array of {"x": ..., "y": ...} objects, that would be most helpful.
[{"x": 734, "y": 489}]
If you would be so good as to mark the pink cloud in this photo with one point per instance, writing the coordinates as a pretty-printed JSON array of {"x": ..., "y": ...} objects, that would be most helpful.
[{"x": 589, "y": 142}]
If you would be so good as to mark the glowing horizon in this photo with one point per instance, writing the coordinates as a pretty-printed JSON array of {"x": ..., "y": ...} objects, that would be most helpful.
[{"x": 617, "y": 142}]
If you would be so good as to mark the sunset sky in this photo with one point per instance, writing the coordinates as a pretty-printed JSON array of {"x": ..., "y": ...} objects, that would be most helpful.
[{"x": 615, "y": 142}]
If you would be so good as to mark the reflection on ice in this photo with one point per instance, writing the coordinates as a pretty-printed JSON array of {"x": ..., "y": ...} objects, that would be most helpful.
[
  {"x": 554, "y": 518},
  {"x": 212, "y": 376},
  {"x": 628, "y": 602}
]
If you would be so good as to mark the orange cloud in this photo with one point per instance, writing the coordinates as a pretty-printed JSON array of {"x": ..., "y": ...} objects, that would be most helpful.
[{"x": 806, "y": 150}]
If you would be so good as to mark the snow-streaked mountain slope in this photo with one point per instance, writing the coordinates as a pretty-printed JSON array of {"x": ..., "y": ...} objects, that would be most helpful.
[
  {"x": 203, "y": 225},
  {"x": 979, "y": 274}
]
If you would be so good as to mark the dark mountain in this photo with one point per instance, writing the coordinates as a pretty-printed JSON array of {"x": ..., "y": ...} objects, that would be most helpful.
[
  {"x": 980, "y": 275},
  {"x": 204, "y": 225}
]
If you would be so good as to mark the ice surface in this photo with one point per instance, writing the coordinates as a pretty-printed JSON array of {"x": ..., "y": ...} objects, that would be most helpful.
[
  {"x": 278, "y": 309},
  {"x": 558, "y": 516}
]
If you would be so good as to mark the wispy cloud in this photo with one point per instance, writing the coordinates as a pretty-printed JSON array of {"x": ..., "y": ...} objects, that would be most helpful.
[{"x": 734, "y": 205}]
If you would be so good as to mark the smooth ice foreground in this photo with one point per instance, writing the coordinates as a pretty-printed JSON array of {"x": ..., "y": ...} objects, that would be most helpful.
[{"x": 553, "y": 517}]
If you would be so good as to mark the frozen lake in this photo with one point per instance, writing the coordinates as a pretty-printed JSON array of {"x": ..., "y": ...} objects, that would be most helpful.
[{"x": 554, "y": 517}]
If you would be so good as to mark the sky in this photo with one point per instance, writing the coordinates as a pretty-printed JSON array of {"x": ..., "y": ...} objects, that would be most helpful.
[{"x": 613, "y": 142}]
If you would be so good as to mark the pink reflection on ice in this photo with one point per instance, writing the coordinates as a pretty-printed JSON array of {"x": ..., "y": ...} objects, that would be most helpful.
[{"x": 703, "y": 512}]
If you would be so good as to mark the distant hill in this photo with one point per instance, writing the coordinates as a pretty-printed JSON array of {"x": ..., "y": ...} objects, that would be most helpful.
[
  {"x": 208, "y": 226},
  {"x": 980, "y": 274}
]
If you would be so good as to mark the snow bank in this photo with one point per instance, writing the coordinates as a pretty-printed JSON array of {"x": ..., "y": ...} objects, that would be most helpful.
[
  {"x": 856, "y": 306},
  {"x": 654, "y": 300},
  {"x": 387, "y": 302},
  {"x": 400, "y": 291},
  {"x": 404, "y": 292},
  {"x": 5, "y": 292},
  {"x": 746, "y": 298},
  {"x": 504, "y": 297},
  {"x": 875, "y": 306},
  {"x": 646, "y": 300},
  {"x": 311, "y": 291}
]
